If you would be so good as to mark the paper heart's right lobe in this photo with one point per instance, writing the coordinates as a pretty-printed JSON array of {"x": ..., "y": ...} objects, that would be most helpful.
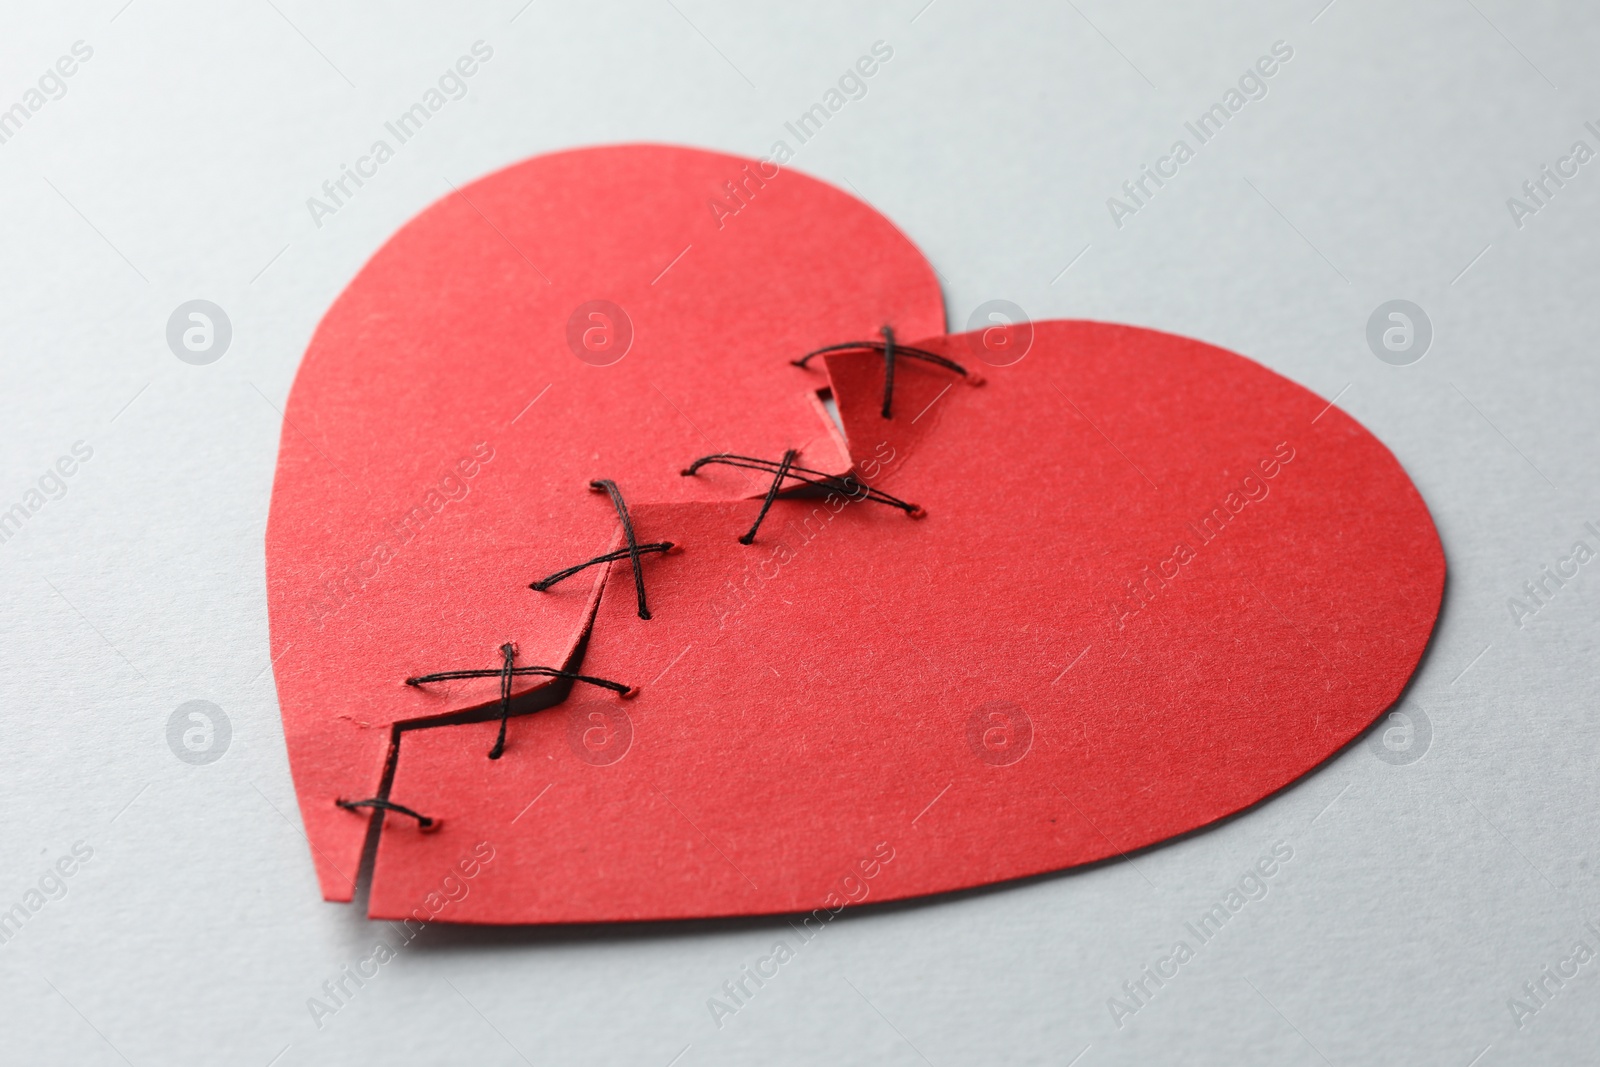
[{"x": 1156, "y": 583}]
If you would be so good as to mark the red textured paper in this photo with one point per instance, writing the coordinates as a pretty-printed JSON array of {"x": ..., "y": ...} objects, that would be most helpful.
[
  {"x": 981, "y": 694},
  {"x": 441, "y": 385}
]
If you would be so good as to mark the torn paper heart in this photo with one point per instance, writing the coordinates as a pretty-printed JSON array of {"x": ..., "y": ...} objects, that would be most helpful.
[{"x": 1128, "y": 585}]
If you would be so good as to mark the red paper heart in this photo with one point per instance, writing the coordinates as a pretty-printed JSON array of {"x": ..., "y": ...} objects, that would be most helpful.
[
  {"x": 459, "y": 395},
  {"x": 1156, "y": 583}
]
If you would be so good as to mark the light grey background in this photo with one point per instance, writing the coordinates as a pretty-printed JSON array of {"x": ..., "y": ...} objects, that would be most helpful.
[{"x": 1420, "y": 897}]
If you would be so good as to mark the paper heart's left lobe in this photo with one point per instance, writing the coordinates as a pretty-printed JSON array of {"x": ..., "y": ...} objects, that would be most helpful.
[{"x": 581, "y": 315}]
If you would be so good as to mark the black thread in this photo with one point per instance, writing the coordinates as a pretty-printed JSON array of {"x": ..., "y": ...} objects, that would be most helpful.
[
  {"x": 899, "y": 350},
  {"x": 610, "y": 557},
  {"x": 609, "y": 486},
  {"x": 888, "y": 370},
  {"x": 509, "y": 651},
  {"x": 423, "y": 822},
  {"x": 523, "y": 672},
  {"x": 891, "y": 351},
  {"x": 505, "y": 673},
  {"x": 772, "y": 494},
  {"x": 847, "y": 484}
]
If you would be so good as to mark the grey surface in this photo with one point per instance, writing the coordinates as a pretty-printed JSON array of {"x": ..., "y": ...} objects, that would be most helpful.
[{"x": 1420, "y": 896}]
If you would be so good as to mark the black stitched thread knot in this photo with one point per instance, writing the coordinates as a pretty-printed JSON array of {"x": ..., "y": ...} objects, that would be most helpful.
[
  {"x": 892, "y": 351},
  {"x": 505, "y": 673},
  {"x": 378, "y": 803},
  {"x": 846, "y": 484},
  {"x": 664, "y": 547},
  {"x": 772, "y": 494},
  {"x": 509, "y": 651},
  {"x": 606, "y": 485}
]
